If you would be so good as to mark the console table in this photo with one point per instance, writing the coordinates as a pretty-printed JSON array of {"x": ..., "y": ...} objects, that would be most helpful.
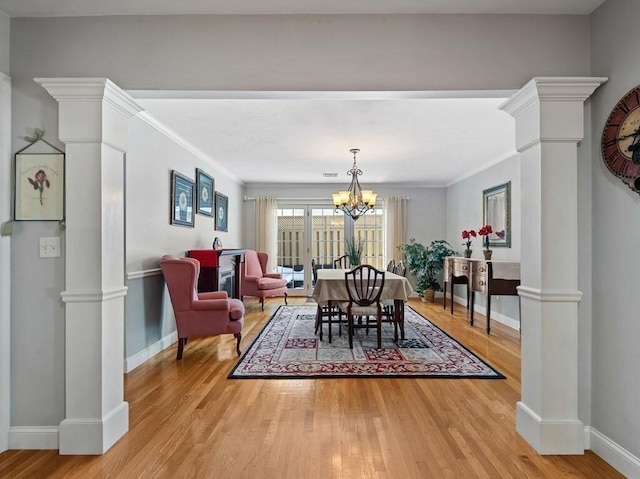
[
  {"x": 219, "y": 270},
  {"x": 482, "y": 276}
]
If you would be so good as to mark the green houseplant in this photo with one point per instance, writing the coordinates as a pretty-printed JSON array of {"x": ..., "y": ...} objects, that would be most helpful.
[
  {"x": 425, "y": 263},
  {"x": 354, "y": 250}
]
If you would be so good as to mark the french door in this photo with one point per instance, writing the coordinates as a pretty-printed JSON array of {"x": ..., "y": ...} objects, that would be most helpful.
[{"x": 311, "y": 237}]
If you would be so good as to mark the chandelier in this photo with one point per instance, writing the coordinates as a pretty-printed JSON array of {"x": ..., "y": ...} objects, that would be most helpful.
[{"x": 355, "y": 201}]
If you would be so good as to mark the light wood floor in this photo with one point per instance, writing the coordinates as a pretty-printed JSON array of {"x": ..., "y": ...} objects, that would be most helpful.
[{"x": 188, "y": 421}]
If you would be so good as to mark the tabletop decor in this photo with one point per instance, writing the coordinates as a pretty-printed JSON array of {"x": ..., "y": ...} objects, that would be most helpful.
[
  {"x": 288, "y": 348},
  {"x": 485, "y": 231},
  {"x": 467, "y": 235},
  {"x": 354, "y": 249}
]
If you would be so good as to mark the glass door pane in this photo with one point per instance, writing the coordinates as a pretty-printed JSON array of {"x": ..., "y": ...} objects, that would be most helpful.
[
  {"x": 291, "y": 248},
  {"x": 369, "y": 230},
  {"x": 327, "y": 237}
]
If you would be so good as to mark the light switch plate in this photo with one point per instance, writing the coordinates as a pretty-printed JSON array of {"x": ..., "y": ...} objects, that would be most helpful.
[{"x": 50, "y": 247}]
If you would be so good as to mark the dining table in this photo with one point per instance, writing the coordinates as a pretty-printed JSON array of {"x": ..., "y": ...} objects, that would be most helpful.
[{"x": 330, "y": 288}]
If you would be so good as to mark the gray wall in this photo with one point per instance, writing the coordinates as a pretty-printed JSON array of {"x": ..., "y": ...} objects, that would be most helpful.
[
  {"x": 305, "y": 52},
  {"x": 5, "y": 30},
  {"x": 403, "y": 52},
  {"x": 149, "y": 235},
  {"x": 616, "y": 236}
]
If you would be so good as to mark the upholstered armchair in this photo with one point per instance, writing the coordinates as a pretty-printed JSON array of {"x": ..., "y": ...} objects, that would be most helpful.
[
  {"x": 255, "y": 281},
  {"x": 199, "y": 314}
]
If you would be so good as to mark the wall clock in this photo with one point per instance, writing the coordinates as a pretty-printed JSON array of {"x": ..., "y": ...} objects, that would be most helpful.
[{"x": 621, "y": 140}]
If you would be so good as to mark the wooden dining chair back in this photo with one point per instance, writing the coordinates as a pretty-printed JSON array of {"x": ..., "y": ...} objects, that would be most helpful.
[
  {"x": 342, "y": 262},
  {"x": 401, "y": 269},
  {"x": 391, "y": 266},
  {"x": 364, "y": 286}
]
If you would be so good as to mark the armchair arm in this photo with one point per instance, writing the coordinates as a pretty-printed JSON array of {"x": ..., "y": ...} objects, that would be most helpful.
[
  {"x": 273, "y": 275},
  {"x": 210, "y": 305},
  {"x": 213, "y": 295}
]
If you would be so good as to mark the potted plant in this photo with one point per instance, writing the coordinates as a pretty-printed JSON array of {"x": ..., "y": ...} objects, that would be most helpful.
[
  {"x": 354, "y": 250},
  {"x": 425, "y": 263}
]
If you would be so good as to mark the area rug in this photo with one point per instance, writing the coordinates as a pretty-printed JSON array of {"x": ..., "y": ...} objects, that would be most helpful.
[{"x": 288, "y": 348}]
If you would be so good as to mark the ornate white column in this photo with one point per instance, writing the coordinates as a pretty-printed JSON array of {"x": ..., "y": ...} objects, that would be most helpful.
[
  {"x": 93, "y": 124},
  {"x": 549, "y": 115}
]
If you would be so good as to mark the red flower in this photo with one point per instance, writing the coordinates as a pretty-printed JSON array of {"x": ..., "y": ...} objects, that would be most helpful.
[
  {"x": 485, "y": 231},
  {"x": 467, "y": 235}
]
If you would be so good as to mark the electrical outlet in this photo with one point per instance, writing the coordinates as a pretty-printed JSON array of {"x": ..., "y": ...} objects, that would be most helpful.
[{"x": 50, "y": 247}]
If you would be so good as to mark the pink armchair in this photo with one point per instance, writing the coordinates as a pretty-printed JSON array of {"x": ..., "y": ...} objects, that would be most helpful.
[
  {"x": 257, "y": 282},
  {"x": 199, "y": 314}
]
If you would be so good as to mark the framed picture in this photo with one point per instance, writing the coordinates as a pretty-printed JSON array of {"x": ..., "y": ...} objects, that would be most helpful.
[
  {"x": 182, "y": 198},
  {"x": 204, "y": 191},
  {"x": 222, "y": 210},
  {"x": 496, "y": 211},
  {"x": 39, "y": 187}
]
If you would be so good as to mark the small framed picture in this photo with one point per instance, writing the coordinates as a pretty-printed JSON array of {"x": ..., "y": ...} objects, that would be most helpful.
[
  {"x": 222, "y": 210},
  {"x": 39, "y": 187},
  {"x": 204, "y": 191},
  {"x": 182, "y": 199}
]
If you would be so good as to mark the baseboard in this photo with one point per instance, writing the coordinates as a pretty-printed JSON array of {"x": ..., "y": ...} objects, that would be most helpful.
[
  {"x": 619, "y": 458},
  {"x": 34, "y": 437},
  {"x": 497, "y": 317},
  {"x": 147, "y": 353},
  {"x": 93, "y": 436}
]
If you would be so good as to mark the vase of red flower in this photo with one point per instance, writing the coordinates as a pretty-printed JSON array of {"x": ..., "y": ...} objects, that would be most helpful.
[
  {"x": 485, "y": 231},
  {"x": 467, "y": 235}
]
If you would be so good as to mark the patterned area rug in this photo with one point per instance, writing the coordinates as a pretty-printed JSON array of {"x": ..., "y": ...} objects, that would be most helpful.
[{"x": 288, "y": 348}]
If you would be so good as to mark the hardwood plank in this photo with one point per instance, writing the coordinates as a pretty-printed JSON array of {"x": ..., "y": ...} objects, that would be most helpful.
[{"x": 188, "y": 420}]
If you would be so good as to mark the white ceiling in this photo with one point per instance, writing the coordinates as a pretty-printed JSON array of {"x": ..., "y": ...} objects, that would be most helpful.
[
  {"x": 43, "y": 8},
  {"x": 412, "y": 138}
]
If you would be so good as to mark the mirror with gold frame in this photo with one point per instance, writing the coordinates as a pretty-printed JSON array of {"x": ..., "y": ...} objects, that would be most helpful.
[{"x": 496, "y": 211}]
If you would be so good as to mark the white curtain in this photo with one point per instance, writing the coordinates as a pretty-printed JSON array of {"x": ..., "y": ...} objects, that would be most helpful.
[
  {"x": 396, "y": 226},
  {"x": 267, "y": 229}
]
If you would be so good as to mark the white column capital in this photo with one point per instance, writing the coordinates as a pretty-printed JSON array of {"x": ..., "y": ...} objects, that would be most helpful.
[
  {"x": 90, "y": 90},
  {"x": 91, "y": 110},
  {"x": 550, "y": 109},
  {"x": 551, "y": 89}
]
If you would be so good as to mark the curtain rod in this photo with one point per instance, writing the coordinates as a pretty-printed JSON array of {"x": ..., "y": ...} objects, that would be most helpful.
[{"x": 253, "y": 198}]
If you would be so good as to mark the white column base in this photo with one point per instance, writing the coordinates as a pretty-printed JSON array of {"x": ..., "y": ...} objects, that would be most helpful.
[
  {"x": 94, "y": 436},
  {"x": 549, "y": 437}
]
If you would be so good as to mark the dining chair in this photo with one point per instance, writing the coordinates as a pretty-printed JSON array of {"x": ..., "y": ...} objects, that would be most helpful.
[
  {"x": 364, "y": 287},
  {"x": 391, "y": 266},
  {"x": 342, "y": 262},
  {"x": 388, "y": 312}
]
